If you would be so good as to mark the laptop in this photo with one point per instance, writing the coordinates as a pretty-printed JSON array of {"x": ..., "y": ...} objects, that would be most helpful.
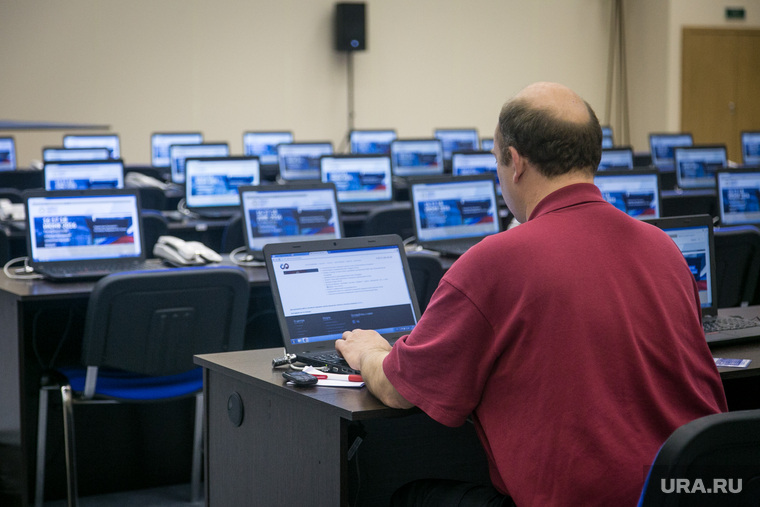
[
  {"x": 696, "y": 165},
  {"x": 371, "y": 142},
  {"x": 739, "y": 196},
  {"x": 109, "y": 141},
  {"x": 7, "y": 153},
  {"x": 178, "y": 153},
  {"x": 264, "y": 145},
  {"x": 451, "y": 214},
  {"x": 160, "y": 142},
  {"x": 608, "y": 140},
  {"x": 457, "y": 140},
  {"x": 211, "y": 184},
  {"x": 84, "y": 174},
  {"x": 635, "y": 192},
  {"x": 84, "y": 234},
  {"x": 694, "y": 236},
  {"x": 323, "y": 288},
  {"x": 661, "y": 148},
  {"x": 750, "y": 148},
  {"x": 616, "y": 158},
  {"x": 292, "y": 212},
  {"x": 416, "y": 157},
  {"x": 300, "y": 161},
  {"x": 467, "y": 163},
  {"x": 55, "y": 154},
  {"x": 363, "y": 182}
]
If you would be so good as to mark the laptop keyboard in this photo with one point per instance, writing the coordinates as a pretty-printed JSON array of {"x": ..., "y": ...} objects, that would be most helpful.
[
  {"x": 330, "y": 357},
  {"x": 727, "y": 324}
]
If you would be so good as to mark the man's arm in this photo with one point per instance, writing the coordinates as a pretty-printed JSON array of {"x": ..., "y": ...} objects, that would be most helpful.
[{"x": 365, "y": 351}]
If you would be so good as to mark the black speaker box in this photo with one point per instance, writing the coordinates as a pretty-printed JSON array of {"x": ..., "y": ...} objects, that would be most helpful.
[{"x": 350, "y": 27}]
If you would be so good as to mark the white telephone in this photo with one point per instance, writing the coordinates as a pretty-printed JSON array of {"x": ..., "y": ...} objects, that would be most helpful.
[
  {"x": 184, "y": 253},
  {"x": 135, "y": 179}
]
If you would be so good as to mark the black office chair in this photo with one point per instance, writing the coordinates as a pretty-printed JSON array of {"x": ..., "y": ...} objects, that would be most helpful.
[
  {"x": 233, "y": 235},
  {"x": 426, "y": 272},
  {"x": 152, "y": 198},
  {"x": 737, "y": 264},
  {"x": 154, "y": 226},
  {"x": 12, "y": 194},
  {"x": 393, "y": 218},
  {"x": 699, "y": 202},
  {"x": 719, "y": 447},
  {"x": 141, "y": 332}
]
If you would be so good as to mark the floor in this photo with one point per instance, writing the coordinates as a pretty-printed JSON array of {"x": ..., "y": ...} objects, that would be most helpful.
[{"x": 168, "y": 496}]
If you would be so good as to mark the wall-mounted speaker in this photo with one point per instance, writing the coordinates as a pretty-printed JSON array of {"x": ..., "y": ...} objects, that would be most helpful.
[{"x": 350, "y": 27}]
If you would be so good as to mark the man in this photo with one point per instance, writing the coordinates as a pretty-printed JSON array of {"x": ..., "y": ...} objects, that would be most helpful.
[{"x": 574, "y": 340}]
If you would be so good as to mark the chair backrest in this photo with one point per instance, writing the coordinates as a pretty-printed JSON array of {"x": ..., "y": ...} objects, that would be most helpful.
[
  {"x": 393, "y": 218},
  {"x": 154, "y": 225},
  {"x": 712, "y": 452},
  {"x": 426, "y": 272},
  {"x": 153, "y": 322},
  {"x": 234, "y": 235},
  {"x": 11, "y": 194},
  {"x": 737, "y": 264}
]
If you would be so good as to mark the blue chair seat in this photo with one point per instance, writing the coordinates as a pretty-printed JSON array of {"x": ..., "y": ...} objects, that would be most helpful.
[{"x": 124, "y": 385}]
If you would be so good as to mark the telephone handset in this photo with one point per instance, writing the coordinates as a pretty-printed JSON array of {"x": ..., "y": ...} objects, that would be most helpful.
[{"x": 184, "y": 253}]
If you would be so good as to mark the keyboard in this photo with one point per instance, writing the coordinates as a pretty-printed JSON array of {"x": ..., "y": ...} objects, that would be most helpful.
[{"x": 728, "y": 324}]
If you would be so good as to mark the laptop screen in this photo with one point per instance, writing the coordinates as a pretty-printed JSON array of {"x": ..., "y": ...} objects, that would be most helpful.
[
  {"x": 283, "y": 213},
  {"x": 696, "y": 165},
  {"x": 751, "y": 148},
  {"x": 457, "y": 140},
  {"x": 323, "y": 293},
  {"x": 359, "y": 178},
  {"x": 616, "y": 158},
  {"x": 52, "y": 154},
  {"x": 109, "y": 141},
  {"x": 739, "y": 197},
  {"x": 607, "y": 138},
  {"x": 372, "y": 142},
  {"x": 160, "y": 142},
  {"x": 455, "y": 208},
  {"x": 211, "y": 184},
  {"x": 178, "y": 153},
  {"x": 7, "y": 154},
  {"x": 475, "y": 162},
  {"x": 636, "y": 193},
  {"x": 486, "y": 144},
  {"x": 661, "y": 148},
  {"x": 83, "y": 175},
  {"x": 264, "y": 145},
  {"x": 87, "y": 226},
  {"x": 421, "y": 157},
  {"x": 300, "y": 161}
]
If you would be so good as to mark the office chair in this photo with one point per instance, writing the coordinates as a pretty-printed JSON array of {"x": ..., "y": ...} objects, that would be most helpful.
[
  {"x": 737, "y": 264},
  {"x": 233, "y": 235},
  {"x": 696, "y": 202},
  {"x": 720, "y": 447},
  {"x": 426, "y": 272},
  {"x": 154, "y": 226},
  {"x": 141, "y": 331},
  {"x": 12, "y": 194},
  {"x": 393, "y": 218},
  {"x": 152, "y": 198}
]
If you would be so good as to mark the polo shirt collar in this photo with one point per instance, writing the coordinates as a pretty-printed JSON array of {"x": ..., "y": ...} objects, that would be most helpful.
[{"x": 571, "y": 195}]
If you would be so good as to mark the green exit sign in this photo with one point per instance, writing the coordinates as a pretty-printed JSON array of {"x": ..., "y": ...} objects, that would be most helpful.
[{"x": 735, "y": 13}]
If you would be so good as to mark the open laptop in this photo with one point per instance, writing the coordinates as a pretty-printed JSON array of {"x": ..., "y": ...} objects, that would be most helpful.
[
  {"x": 696, "y": 165},
  {"x": 84, "y": 174},
  {"x": 363, "y": 182},
  {"x": 750, "y": 148},
  {"x": 636, "y": 192},
  {"x": 7, "y": 153},
  {"x": 109, "y": 141},
  {"x": 293, "y": 212},
  {"x": 739, "y": 196},
  {"x": 160, "y": 142},
  {"x": 84, "y": 234},
  {"x": 694, "y": 236},
  {"x": 264, "y": 145},
  {"x": 452, "y": 140},
  {"x": 467, "y": 163},
  {"x": 371, "y": 142},
  {"x": 608, "y": 140},
  {"x": 300, "y": 161},
  {"x": 416, "y": 157},
  {"x": 178, "y": 153},
  {"x": 56, "y": 154},
  {"x": 661, "y": 148},
  {"x": 451, "y": 214},
  {"x": 323, "y": 288},
  {"x": 620, "y": 157},
  {"x": 211, "y": 184}
]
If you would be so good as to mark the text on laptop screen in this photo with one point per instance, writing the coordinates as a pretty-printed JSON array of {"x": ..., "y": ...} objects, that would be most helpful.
[
  {"x": 325, "y": 293},
  {"x": 696, "y": 166},
  {"x": 486, "y": 144},
  {"x": 360, "y": 178},
  {"x": 455, "y": 209},
  {"x": 178, "y": 153},
  {"x": 480, "y": 162},
  {"x": 661, "y": 148},
  {"x": 264, "y": 145},
  {"x": 635, "y": 194},
  {"x": 694, "y": 243},
  {"x": 616, "y": 159},
  {"x": 751, "y": 148},
  {"x": 109, "y": 141},
  {"x": 300, "y": 161},
  {"x": 67, "y": 154},
  {"x": 214, "y": 182},
  {"x": 282, "y": 215},
  {"x": 83, "y": 227},
  {"x": 160, "y": 142},
  {"x": 7, "y": 153},
  {"x": 84, "y": 175},
  {"x": 739, "y": 197},
  {"x": 457, "y": 140},
  {"x": 372, "y": 142},
  {"x": 422, "y": 157}
]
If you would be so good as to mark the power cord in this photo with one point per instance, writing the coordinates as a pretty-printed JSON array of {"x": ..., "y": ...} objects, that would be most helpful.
[
  {"x": 23, "y": 273},
  {"x": 240, "y": 257}
]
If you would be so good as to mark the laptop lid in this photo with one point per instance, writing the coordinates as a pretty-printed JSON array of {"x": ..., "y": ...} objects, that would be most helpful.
[
  {"x": 300, "y": 161},
  {"x": 457, "y": 140},
  {"x": 7, "y": 153},
  {"x": 178, "y": 153},
  {"x": 661, "y": 148},
  {"x": 454, "y": 208},
  {"x": 264, "y": 145},
  {"x": 211, "y": 184},
  {"x": 696, "y": 165},
  {"x": 416, "y": 157},
  {"x": 372, "y": 142},
  {"x": 109, "y": 141},
  {"x": 359, "y": 178},
  {"x": 608, "y": 140},
  {"x": 160, "y": 142},
  {"x": 82, "y": 226},
  {"x": 739, "y": 196},
  {"x": 323, "y": 288},
  {"x": 84, "y": 174},
  {"x": 291, "y": 212},
  {"x": 468, "y": 163},
  {"x": 620, "y": 157},
  {"x": 751, "y": 148},
  {"x": 635, "y": 192},
  {"x": 58, "y": 154}
]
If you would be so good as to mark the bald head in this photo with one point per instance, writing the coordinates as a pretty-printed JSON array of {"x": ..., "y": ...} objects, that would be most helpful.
[{"x": 557, "y": 99}]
